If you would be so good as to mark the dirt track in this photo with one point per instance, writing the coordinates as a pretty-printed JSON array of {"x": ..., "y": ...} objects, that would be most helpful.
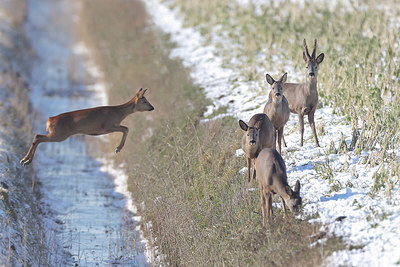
[{"x": 93, "y": 227}]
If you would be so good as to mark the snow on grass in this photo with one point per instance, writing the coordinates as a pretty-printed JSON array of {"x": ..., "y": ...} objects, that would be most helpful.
[{"x": 336, "y": 187}]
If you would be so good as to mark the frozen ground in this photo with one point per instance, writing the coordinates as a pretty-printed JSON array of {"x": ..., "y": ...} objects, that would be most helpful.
[{"x": 371, "y": 224}]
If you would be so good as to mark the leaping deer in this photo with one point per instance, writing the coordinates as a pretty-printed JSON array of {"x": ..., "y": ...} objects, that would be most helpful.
[
  {"x": 303, "y": 97},
  {"x": 92, "y": 121}
]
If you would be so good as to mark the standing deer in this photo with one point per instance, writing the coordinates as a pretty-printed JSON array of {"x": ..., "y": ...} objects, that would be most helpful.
[
  {"x": 277, "y": 107},
  {"x": 303, "y": 97},
  {"x": 272, "y": 179},
  {"x": 259, "y": 133},
  {"x": 92, "y": 121}
]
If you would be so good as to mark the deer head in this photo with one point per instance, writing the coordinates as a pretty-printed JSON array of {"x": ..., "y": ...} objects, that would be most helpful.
[
  {"x": 252, "y": 133},
  {"x": 312, "y": 62},
  {"x": 295, "y": 200},
  {"x": 141, "y": 103},
  {"x": 276, "y": 87}
]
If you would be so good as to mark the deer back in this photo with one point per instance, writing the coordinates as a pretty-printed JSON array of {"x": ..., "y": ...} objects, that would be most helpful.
[
  {"x": 272, "y": 177},
  {"x": 271, "y": 170},
  {"x": 301, "y": 97}
]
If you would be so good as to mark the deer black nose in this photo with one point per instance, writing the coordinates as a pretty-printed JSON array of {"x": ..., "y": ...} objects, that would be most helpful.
[
  {"x": 278, "y": 94},
  {"x": 311, "y": 74},
  {"x": 252, "y": 142}
]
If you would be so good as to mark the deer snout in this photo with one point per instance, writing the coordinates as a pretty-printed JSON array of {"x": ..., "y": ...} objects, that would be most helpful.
[
  {"x": 311, "y": 74},
  {"x": 277, "y": 94},
  {"x": 152, "y": 108},
  {"x": 252, "y": 142}
]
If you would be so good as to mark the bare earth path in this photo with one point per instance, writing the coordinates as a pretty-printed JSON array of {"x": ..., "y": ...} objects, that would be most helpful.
[{"x": 93, "y": 226}]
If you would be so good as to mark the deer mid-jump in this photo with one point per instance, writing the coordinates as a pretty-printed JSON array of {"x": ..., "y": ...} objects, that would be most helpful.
[
  {"x": 303, "y": 97},
  {"x": 272, "y": 179},
  {"x": 92, "y": 121}
]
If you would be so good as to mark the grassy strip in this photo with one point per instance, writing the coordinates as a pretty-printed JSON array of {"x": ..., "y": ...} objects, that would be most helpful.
[{"x": 185, "y": 172}]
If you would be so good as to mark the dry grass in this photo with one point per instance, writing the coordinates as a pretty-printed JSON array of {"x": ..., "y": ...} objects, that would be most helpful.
[
  {"x": 186, "y": 173},
  {"x": 24, "y": 238}
]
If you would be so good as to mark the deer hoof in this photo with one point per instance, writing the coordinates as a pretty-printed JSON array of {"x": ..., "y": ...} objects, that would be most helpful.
[
  {"x": 117, "y": 150},
  {"x": 25, "y": 162}
]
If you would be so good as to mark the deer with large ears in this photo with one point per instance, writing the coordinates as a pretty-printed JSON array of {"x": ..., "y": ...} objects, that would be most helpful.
[
  {"x": 303, "y": 97},
  {"x": 272, "y": 179},
  {"x": 277, "y": 107},
  {"x": 258, "y": 133},
  {"x": 92, "y": 121}
]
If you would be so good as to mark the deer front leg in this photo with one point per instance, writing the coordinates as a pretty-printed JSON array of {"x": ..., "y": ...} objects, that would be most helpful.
[
  {"x": 301, "y": 124},
  {"x": 280, "y": 134},
  {"x": 283, "y": 207},
  {"x": 312, "y": 125},
  {"x": 254, "y": 170},
  {"x": 248, "y": 169},
  {"x": 124, "y": 131}
]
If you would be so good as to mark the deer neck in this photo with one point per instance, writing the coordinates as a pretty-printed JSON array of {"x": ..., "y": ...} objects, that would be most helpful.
[
  {"x": 252, "y": 151},
  {"x": 310, "y": 86},
  {"x": 277, "y": 105},
  {"x": 127, "y": 108}
]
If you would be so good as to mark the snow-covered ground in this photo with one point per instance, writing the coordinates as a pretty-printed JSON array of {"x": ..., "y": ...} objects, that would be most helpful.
[{"x": 371, "y": 226}]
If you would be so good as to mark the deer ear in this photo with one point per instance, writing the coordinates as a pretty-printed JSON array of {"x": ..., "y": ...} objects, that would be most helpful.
[
  {"x": 288, "y": 190},
  {"x": 283, "y": 78},
  {"x": 141, "y": 92},
  {"x": 297, "y": 187},
  {"x": 305, "y": 57},
  {"x": 320, "y": 58},
  {"x": 269, "y": 79},
  {"x": 243, "y": 125}
]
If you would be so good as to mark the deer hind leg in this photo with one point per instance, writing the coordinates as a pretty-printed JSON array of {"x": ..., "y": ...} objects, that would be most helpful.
[
  {"x": 36, "y": 141},
  {"x": 283, "y": 140},
  {"x": 262, "y": 204},
  {"x": 301, "y": 124},
  {"x": 268, "y": 197},
  {"x": 312, "y": 125}
]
